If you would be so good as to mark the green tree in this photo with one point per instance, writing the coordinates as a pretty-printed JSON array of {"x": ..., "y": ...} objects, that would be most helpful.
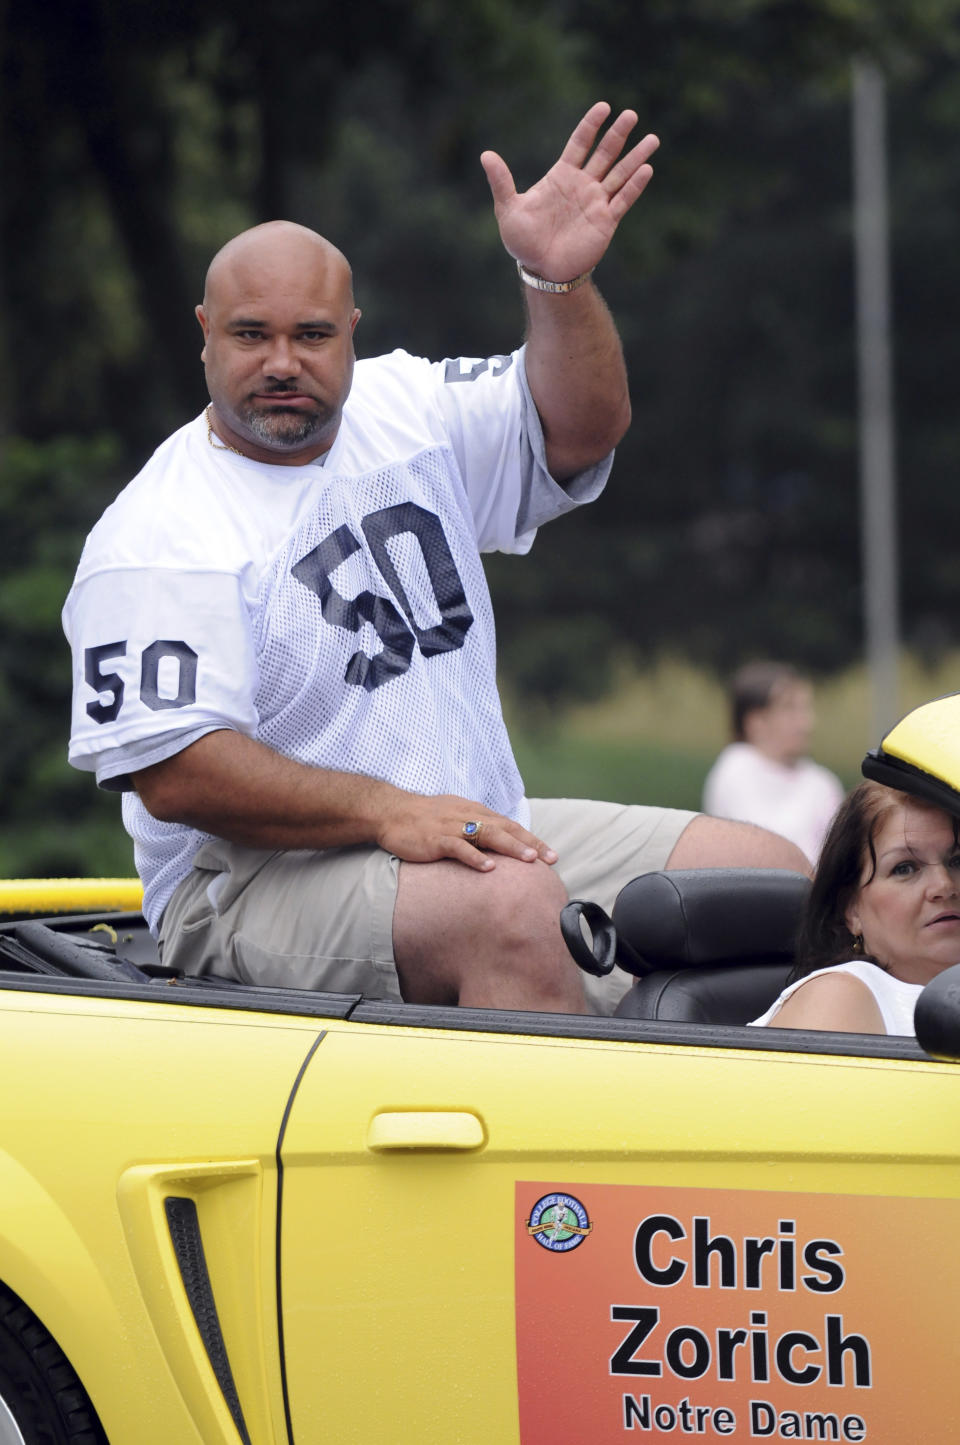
[
  {"x": 136, "y": 138},
  {"x": 39, "y": 792}
]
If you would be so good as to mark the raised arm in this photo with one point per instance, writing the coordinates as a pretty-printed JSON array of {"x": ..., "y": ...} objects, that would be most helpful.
[{"x": 558, "y": 231}]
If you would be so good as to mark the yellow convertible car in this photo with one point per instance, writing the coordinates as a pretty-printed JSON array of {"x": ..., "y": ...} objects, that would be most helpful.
[{"x": 281, "y": 1218}]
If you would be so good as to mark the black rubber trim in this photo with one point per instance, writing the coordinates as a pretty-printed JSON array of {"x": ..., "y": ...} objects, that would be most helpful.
[
  {"x": 73, "y": 922},
  {"x": 195, "y": 992},
  {"x": 880, "y": 767},
  {"x": 79, "y": 957},
  {"x": 640, "y": 1031},
  {"x": 279, "y": 1257},
  {"x": 187, "y": 1240},
  {"x": 304, "y": 1004}
]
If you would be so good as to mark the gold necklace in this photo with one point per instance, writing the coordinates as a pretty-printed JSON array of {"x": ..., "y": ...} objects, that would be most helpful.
[{"x": 216, "y": 443}]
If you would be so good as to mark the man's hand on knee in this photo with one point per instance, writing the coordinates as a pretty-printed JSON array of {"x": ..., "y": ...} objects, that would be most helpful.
[{"x": 424, "y": 830}]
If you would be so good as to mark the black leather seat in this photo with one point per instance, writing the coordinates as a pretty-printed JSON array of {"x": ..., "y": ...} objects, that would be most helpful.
[
  {"x": 730, "y": 994},
  {"x": 712, "y": 945}
]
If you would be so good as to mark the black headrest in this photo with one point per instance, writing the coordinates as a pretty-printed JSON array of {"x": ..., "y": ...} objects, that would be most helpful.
[{"x": 685, "y": 918}]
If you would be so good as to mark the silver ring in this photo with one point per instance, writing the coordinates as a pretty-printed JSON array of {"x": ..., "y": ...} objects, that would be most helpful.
[{"x": 471, "y": 831}]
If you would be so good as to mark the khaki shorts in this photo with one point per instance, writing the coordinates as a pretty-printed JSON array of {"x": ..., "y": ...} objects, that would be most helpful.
[{"x": 324, "y": 920}]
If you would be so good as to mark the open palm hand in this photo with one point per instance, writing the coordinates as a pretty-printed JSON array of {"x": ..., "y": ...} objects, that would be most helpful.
[{"x": 561, "y": 227}]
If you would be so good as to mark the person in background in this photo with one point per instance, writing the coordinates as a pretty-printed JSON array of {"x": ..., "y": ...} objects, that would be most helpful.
[
  {"x": 882, "y": 918},
  {"x": 764, "y": 776}
]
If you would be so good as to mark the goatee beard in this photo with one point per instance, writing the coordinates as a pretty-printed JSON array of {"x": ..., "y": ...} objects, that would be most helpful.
[{"x": 286, "y": 428}]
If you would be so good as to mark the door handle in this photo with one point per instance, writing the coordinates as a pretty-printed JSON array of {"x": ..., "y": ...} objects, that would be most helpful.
[{"x": 425, "y": 1129}]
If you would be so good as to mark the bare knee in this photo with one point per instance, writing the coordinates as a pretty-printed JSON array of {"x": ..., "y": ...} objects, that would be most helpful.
[
  {"x": 484, "y": 939},
  {"x": 720, "y": 843}
]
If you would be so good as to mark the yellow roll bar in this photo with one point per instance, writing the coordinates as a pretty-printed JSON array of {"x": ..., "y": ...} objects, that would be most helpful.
[{"x": 70, "y": 895}]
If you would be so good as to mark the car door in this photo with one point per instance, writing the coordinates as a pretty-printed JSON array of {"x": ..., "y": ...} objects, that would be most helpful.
[{"x": 495, "y": 1237}]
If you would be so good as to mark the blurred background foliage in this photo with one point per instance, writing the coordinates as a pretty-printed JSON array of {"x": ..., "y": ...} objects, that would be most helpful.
[{"x": 136, "y": 137}]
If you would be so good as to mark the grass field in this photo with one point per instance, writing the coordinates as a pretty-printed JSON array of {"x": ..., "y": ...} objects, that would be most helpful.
[
  {"x": 654, "y": 738},
  {"x": 577, "y": 767}
]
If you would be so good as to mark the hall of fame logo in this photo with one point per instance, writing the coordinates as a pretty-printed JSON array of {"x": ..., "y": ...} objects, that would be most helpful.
[{"x": 559, "y": 1223}]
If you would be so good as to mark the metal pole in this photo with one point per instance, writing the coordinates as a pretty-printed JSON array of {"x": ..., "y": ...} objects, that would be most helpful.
[{"x": 877, "y": 464}]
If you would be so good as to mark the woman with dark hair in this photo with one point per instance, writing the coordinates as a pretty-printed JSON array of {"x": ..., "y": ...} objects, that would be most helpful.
[
  {"x": 882, "y": 918},
  {"x": 764, "y": 775}
]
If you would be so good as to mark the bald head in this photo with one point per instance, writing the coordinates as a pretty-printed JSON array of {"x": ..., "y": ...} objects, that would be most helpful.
[
  {"x": 271, "y": 251},
  {"x": 278, "y": 319}
]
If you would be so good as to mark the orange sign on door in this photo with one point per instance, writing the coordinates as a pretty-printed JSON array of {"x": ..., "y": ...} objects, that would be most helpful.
[{"x": 703, "y": 1314}]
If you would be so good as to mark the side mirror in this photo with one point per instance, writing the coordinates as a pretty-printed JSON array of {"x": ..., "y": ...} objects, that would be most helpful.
[{"x": 937, "y": 1016}]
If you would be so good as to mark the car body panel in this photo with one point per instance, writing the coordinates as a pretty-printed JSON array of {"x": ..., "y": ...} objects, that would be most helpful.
[
  {"x": 110, "y": 1105},
  {"x": 23, "y": 896},
  {"x": 399, "y": 1263},
  {"x": 386, "y": 1198}
]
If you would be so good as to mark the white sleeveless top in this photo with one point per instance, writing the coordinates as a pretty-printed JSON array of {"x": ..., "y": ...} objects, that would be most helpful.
[{"x": 896, "y": 1000}]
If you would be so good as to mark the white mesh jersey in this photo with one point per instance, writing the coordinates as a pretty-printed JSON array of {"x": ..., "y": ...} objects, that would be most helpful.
[{"x": 337, "y": 612}]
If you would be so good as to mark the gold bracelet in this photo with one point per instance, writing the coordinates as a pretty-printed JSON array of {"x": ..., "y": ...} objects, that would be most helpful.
[{"x": 556, "y": 288}]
